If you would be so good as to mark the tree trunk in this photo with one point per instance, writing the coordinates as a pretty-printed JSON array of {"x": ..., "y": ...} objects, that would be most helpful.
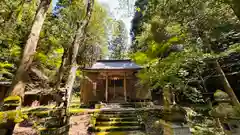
[
  {"x": 61, "y": 70},
  {"x": 18, "y": 84},
  {"x": 78, "y": 39},
  {"x": 235, "y": 4},
  {"x": 226, "y": 85},
  {"x": 219, "y": 70}
]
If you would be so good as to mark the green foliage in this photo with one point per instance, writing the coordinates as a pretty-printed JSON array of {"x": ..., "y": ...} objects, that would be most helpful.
[
  {"x": 174, "y": 39},
  {"x": 57, "y": 33},
  {"x": 15, "y": 21},
  {"x": 140, "y": 58},
  {"x": 5, "y": 70},
  {"x": 79, "y": 73},
  {"x": 118, "y": 44}
]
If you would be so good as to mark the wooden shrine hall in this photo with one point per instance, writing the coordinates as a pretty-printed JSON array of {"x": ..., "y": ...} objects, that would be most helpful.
[{"x": 109, "y": 81}]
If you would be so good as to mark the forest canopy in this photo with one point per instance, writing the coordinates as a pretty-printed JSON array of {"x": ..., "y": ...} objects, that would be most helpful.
[
  {"x": 56, "y": 34},
  {"x": 187, "y": 53},
  {"x": 178, "y": 42},
  {"x": 181, "y": 42}
]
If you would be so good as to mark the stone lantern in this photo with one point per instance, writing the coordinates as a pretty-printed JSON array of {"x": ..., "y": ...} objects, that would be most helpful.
[
  {"x": 174, "y": 116},
  {"x": 225, "y": 113}
]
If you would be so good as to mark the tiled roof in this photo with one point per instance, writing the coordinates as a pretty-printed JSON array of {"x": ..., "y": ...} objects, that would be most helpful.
[
  {"x": 114, "y": 64},
  {"x": 5, "y": 83}
]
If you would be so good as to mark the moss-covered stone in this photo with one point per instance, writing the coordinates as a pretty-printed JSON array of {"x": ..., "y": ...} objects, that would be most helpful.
[
  {"x": 11, "y": 103},
  {"x": 12, "y": 98},
  {"x": 40, "y": 113},
  {"x": 98, "y": 106},
  {"x": 57, "y": 112},
  {"x": 220, "y": 95},
  {"x": 54, "y": 131},
  {"x": 15, "y": 115},
  {"x": 116, "y": 128}
]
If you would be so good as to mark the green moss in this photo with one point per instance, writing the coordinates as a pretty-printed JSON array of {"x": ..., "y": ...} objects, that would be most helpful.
[
  {"x": 16, "y": 115},
  {"x": 219, "y": 94},
  {"x": 41, "y": 113},
  {"x": 12, "y": 98},
  {"x": 117, "y": 122},
  {"x": 105, "y": 128},
  {"x": 111, "y": 133},
  {"x": 74, "y": 105},
  {"x": 44, "y": 128},
  {"x": 44, "y": 112},
  {"x": 76, "y": 110},
  {"x": 94, "y": 117},
  {"x": 98, "y": 106}
]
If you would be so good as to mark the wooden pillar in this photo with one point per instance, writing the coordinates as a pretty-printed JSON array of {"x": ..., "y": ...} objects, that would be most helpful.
[
  {"x": 114, "y": 94},
  {"x": 82, "y": 89},
  {"x": 106, "y": 91},
  {"x": 125, "y": 87}
]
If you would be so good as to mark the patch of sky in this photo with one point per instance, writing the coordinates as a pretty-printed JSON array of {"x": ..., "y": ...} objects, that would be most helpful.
[
  {"x": 54, "y": 2},
  {"x": 119, "y": 9}
]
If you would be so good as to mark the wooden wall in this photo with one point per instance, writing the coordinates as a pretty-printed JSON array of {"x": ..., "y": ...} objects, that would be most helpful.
[
  {"x": 101, "y": 90},
  {"x": 88, "y": 94},
  {"x": 119, "y": 92},
  {"x": 131, "y": 90}
]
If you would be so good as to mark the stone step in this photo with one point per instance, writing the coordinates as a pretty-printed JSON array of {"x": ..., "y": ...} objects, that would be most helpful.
[
  {"x": 99, "y": 119},
  {"x": 136, "y": 132},
  {"x": 118, "y": 111},
  {"x": 117, "y": 115},
  {"x": 116, "y": 128},
  {"x": 118, "y": 123},
  {"x": 54, "y": 131},
  {"x": 119, "y": 105}
]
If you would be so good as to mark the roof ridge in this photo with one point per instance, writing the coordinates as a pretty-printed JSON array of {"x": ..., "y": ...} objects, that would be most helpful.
[
  {"x": 114, "y": 65},
  {"x": 125, "y": 60}
]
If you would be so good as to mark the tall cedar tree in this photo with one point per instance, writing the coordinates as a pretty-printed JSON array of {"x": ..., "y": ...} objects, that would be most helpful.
[
  {"x": 70, "y": 57},
  {"x": 20, "y": 79}
]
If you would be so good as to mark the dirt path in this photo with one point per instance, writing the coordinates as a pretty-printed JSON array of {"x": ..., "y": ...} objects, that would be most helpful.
[
  {"x": 24, "y": 130},
  {"x": 78, "y": 126}
]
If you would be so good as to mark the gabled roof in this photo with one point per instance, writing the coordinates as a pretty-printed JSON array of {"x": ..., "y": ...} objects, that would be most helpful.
[{"x": 114, "y": 65}]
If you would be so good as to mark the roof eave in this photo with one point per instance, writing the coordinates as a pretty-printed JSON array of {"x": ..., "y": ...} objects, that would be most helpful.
[
  {"x": 102, "y": 69},
  {"x": 126, "y": 60}
]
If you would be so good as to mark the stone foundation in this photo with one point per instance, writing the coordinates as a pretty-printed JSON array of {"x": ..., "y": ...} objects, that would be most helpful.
[
  {"x": 181, "y": 130},
  {"x": 173, "y": 128}
]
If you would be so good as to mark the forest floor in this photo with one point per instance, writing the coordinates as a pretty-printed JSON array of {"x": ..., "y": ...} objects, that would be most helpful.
[
  {"x": 79, "y": 121},
  {"x": 78, "y": 126}
]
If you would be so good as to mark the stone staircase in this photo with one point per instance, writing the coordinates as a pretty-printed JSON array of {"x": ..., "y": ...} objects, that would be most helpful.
[{"x": 115, "y": 117}]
